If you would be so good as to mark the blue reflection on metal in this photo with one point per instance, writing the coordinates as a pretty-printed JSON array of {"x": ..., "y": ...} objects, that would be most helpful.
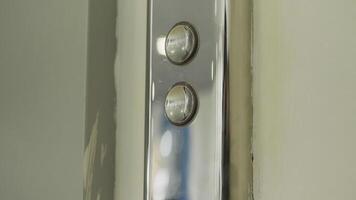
[
  {"x": 184, "y": 163},
  {"x": 178, "y": 161}
]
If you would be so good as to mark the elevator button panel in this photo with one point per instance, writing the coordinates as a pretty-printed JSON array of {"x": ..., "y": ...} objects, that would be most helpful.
[{"x": 185, "y": 119}]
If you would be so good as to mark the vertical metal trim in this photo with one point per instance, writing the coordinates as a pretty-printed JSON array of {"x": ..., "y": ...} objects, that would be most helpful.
[
  {"x": 147, "y": 100},
  {"x": 239, "y": 14},
  {"x": 226, "y": 137},
  {"x": 237, "y": 157}
]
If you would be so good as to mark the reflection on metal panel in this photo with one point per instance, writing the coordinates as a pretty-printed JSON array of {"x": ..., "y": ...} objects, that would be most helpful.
[{"x": 185, "y": 161}]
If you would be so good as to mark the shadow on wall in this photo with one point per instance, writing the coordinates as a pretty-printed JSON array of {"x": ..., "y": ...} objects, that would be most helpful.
[{"x": 99, "y": 156}]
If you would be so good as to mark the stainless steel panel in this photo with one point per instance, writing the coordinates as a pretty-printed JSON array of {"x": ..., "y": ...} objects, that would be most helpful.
[{"x": 187, "y": 162}]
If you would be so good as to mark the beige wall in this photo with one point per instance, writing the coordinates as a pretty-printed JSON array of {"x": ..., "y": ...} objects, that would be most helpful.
[
  {"x": 99, "y": 145},
  {"x": 43, "y": 47},
  {"x": 130, "y": 73},
  {"x": 304, "y": 99}
]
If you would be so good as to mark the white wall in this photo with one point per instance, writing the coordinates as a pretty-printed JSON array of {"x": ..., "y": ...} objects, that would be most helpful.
[
  {"x": 43, "y": 45},
  {"x": 304, "y": 99}
]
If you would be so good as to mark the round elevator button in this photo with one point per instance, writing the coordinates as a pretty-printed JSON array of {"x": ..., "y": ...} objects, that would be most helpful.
[
  {"x": 181, "y": 43},
  {"x": 181, "y": 104}
]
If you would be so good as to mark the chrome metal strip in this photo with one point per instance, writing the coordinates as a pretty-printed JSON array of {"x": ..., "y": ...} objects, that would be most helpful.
[{"x": 187, "y": 162}]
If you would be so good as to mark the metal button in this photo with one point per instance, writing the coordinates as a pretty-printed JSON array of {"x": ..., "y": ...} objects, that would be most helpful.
[
  {"x": 181, "y": 104},
  {"x": 181, "y": 43}
]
